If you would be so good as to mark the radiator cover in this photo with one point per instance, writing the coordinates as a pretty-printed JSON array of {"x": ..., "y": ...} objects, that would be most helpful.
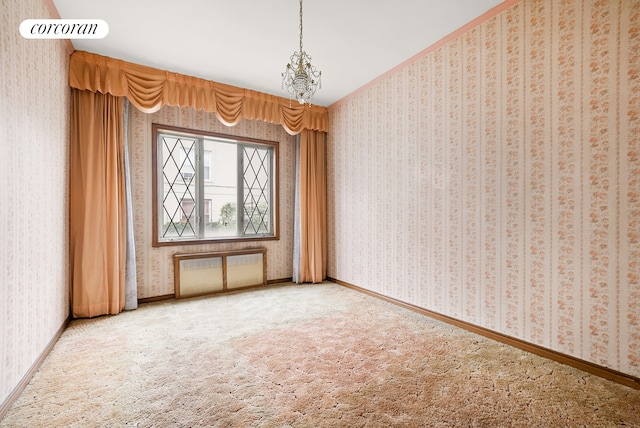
[{"x": 197, "y": 274}]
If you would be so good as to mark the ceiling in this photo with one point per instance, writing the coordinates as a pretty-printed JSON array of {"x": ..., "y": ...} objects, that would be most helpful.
[{"x": 248, "y": 43}]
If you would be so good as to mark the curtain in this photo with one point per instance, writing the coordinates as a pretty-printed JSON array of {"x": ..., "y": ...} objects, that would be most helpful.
[
  {"x": 97, "y": 212},
  {"x": 296, "y": 217},
  {"x": 130, "y": 273},
  {"x": 149, "y": 89},
  {"x": 102, "y": 252},
  {"x": 310, "y": 250}
]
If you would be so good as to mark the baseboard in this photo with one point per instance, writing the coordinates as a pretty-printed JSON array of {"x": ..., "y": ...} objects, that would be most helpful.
[
  {"x": 13, "y": 396},
  {"x": 589, "y": 367},
  {"x": 279, "y": 281},
  {"x": 173, "y": 296},
  {"x": 156, "y": 298}
]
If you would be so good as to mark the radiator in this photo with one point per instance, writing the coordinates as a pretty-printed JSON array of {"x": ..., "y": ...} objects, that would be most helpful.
[{"x": 197, "y": 274}]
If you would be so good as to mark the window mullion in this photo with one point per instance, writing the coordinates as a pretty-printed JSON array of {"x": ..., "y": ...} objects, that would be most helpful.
[
  {"x": 240, "y": 192},
  {"x": 200, "y": 188}
]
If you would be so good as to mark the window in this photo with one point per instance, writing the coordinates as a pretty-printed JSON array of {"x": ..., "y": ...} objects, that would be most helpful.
[
  {"x": 212, "y": 187},
  {"x": 187, "y": 208},
  {"x": 187, "y": 163},
  {"x": 207, "y": 165}
]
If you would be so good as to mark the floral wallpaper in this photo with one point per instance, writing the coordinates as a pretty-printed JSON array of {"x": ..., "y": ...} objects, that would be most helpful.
[
  {"x": 155, "y": 265},
  {"x": 34, "y": 135},
  {"x": 496, "y": 179}
]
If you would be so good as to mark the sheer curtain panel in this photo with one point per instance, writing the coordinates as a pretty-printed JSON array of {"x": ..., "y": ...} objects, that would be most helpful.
[{"x": 130, "y": 275}]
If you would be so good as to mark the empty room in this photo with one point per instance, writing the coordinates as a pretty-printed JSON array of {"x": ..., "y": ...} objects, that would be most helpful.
[{"x": 294, "y": 213}]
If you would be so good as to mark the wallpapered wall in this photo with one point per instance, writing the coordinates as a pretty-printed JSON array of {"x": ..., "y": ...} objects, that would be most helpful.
[
  {"x": 34, "y": 247},
  {"x": 155, "y": 265},
  {"x": 496, "y": 179}
]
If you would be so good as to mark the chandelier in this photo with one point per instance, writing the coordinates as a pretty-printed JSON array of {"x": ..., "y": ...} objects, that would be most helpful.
[{"x": 300, "y": 78}]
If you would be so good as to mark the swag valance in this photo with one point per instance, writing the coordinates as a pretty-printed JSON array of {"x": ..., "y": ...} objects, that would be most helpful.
[{"x": 149, "y": 89}]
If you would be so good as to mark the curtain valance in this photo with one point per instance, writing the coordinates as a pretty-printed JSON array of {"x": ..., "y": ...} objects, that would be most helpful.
[{"x": 149, "y": 89}]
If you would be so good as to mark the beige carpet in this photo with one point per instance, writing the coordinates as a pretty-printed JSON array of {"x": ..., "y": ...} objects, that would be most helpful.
[{"x": 303, "y": 356}]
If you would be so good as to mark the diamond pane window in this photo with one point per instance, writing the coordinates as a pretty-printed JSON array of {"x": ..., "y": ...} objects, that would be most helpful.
[
  {"x": 178, "y": 185},
  {"x": 257, "y": 192},
  {"x": 211, "y": 187}
]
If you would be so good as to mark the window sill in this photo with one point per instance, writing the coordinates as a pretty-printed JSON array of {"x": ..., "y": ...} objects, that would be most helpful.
[{"x": 214, "y": 241}]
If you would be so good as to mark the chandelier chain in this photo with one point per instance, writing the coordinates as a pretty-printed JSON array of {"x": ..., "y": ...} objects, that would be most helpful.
[{"x": 300, "y": 25}]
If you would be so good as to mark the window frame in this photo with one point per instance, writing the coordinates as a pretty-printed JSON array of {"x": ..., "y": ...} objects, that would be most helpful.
[{"x": 157, "y": 129}]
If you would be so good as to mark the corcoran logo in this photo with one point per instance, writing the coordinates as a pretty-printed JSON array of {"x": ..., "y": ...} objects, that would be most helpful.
[{"x": 64, "y": 29}]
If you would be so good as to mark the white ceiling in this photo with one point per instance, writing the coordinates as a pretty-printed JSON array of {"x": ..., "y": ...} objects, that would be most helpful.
[{"x": 247, "y": 43}]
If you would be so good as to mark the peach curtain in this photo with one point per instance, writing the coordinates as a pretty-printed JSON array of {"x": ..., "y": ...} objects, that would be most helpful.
[
  {"x": 313, "y": 207},
  {"x": 97, "y": 210},
  {"x": 149, "y": 89}
]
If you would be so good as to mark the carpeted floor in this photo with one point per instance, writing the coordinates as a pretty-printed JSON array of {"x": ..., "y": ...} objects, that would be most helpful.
[{"x": 303, "y": 356}]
